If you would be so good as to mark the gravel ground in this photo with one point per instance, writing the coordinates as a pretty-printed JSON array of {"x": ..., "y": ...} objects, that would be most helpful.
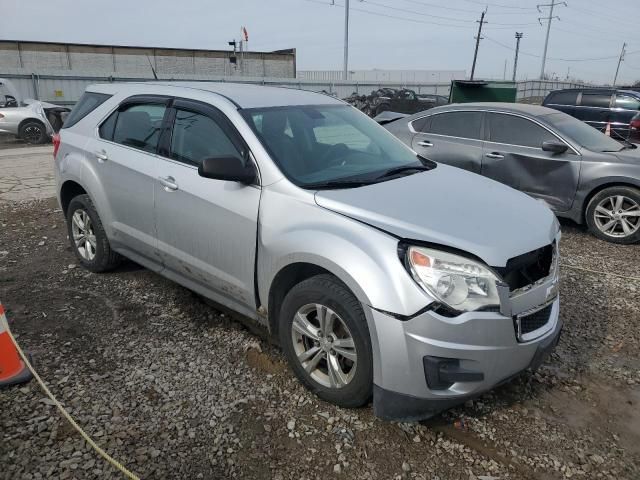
[
  {"x": 10, "y": 141},
  {"x": 174, "y": 388}
]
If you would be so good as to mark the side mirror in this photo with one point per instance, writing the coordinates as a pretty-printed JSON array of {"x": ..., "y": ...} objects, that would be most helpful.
[
  {"x": 554, "y": 147},
  {"x": 229, "y": 168}
]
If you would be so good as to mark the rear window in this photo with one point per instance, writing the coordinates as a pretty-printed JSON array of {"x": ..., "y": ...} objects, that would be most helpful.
[
  {"x": 596, "y": 100},
  {"x": 88, "y": 102},
  {"x": 562, "y": 98},
  {"x": 457, "y": 124}
]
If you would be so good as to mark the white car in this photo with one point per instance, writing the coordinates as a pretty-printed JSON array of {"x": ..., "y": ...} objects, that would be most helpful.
[{"x": 30, "y": 120}]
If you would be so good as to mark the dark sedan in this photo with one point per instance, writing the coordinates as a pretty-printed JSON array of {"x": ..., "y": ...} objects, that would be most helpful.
[{"x": 579, "y": 172}]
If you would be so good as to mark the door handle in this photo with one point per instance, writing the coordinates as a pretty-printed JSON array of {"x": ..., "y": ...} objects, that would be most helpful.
[
  {"x": 101, "y": 155},
  {"x": 494, "y": 155},
  {"x": 425, "y": 143},
  {"x": 169, "y": 184}
]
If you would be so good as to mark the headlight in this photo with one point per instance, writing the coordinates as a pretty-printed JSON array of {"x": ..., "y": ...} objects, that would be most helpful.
[{"x": 458, "y": 282}]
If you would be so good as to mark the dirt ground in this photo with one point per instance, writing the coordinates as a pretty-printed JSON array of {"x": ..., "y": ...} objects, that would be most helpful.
[{"x": 174, "y": 388}]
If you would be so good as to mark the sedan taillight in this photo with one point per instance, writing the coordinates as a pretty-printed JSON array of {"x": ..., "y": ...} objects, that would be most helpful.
[
  {"x": 635, "y": 123},
  {"x": 56, "y": 143}
]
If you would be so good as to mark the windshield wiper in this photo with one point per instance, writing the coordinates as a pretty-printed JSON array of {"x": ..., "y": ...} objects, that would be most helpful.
[
  {"x": 406, "y": 168},
  {"x": 336, "y": 184}
]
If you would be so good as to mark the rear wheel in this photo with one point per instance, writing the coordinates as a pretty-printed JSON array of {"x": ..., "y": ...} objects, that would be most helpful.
[
  {"x": 614, "y": 215},
  {"x": 88, "y": 238},
  {"x": 324, "y": 335},
  {"x": 33, "y": 131}
]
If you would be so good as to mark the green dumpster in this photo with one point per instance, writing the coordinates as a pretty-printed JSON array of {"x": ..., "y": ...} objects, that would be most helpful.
[{"x": 465, "y": 91}]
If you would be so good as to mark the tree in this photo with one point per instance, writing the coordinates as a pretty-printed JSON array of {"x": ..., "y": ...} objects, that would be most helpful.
[{"x": 637, "y": 83}]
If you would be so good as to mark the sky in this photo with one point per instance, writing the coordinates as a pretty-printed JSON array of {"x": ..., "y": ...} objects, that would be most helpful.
[{"x": 584, "y": 43}]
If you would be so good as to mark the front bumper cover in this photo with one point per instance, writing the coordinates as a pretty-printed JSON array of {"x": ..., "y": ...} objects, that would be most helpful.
[{"x": 391, "y": 405}]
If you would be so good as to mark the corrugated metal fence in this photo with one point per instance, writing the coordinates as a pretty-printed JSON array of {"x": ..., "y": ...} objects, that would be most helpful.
[{"x": 65, "y": 89}]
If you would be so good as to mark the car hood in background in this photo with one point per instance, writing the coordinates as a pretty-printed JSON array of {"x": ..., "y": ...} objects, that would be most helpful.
[
  {"x": 388, "y": 117},
  {"x": 450, "y": 207},
  {"x": 629, "y": 155}
]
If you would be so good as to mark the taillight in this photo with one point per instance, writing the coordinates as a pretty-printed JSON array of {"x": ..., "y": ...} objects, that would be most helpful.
[
  {"x": 635, "y": 123},
  {"x": 1, "y": 115},
  {"x": 56, "y": 143}
]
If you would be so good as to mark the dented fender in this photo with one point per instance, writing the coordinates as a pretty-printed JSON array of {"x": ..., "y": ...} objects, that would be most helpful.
[{"x": 364, "y": 258}]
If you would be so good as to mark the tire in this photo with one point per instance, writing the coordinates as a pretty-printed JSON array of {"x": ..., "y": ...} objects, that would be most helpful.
[
  {"x": 606, "y": 207},
  {"x": 33, "y": 132},
  {"x": 348, "y": 322},
  {"x": 97, "y": 255}
]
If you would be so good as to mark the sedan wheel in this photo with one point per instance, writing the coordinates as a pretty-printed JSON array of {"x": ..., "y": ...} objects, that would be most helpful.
[
  {"x": 613, "y": 214},
  {"x": 617, "y": 216},
  {"x": 324, "y": 346}
]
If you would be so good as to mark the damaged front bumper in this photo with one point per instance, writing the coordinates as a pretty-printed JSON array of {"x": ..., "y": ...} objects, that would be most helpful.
[{"x": 432, "y": 362}]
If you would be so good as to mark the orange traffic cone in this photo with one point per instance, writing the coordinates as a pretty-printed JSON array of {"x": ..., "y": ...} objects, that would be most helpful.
[
  {"x": 12, "y": 368},
  {"x": 607, "y": 130}
]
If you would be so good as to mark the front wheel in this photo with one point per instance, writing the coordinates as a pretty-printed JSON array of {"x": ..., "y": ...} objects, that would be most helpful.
[
  {"x": 325, "y": 338},
  {"x": 614, "y": 215}
]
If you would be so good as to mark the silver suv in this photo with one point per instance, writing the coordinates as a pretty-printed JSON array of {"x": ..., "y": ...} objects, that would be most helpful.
[{"x": 381, "y": 273}]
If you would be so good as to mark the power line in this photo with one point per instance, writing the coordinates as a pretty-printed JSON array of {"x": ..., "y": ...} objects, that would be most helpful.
[
  {"x": 378, "y": 14},
  {"x": 453, "y": 9},
  {"x": 381, "y": 5},
  {"x": 555, "y": 59},
  {"x": 602, "y": 16},
  {"x": 485, "y": 4}
]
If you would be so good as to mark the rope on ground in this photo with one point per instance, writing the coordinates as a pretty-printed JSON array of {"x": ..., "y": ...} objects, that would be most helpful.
[
  {"x": 564, "y": 265},
  {"x": 66, "y": 415}
]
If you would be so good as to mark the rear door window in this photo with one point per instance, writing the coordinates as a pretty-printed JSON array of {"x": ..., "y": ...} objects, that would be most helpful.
[
  {"x": 514, "y": 130},
  {"x": 420, "y": 124},
  {"x": 457, "y": 124},
  {"x": 196, "y": 136},
  {"x": 138, "y": 126},
  {"x": 88, "y": 102},
  {"x": 599, "y": 100},
  {"x": 627, "y": 102},
  {"x": 562, "y": 98}
]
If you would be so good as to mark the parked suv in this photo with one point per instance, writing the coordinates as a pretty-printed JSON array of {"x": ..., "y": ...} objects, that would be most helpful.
[
  {"x": 381, "y": 273},
  {"x": 598, "y": 107}
]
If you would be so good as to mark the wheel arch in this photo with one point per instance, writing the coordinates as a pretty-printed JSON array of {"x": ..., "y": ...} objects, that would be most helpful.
[
  {"x": 283, "y": 282},
  {"x": 599, "y": 188},
  {"x": 30, "y": 119},
  {"x": 68, "y": 191}
]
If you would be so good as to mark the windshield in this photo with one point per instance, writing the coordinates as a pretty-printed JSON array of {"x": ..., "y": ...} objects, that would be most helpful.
[
  {"x": 581, "y": 133},
  {"x": 328, "y": 144}
]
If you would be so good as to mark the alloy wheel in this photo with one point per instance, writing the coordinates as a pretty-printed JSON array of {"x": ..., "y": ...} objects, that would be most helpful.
[
  {"x": 324, "y": 345},
  {"x": 84, "y": 237},
  {"x": 32, "y": 134},
  {"x": 617, "y": 216}
]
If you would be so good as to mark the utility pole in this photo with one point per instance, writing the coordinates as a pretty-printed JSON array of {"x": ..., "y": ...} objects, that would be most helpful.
[
  {"x": 622, "y": 52},
  {"x": 515, "y": 61},
  {"x": 346, "y": 41},
  {"x": 478, "y": 38},
  {"x": 546, "y": 40}
]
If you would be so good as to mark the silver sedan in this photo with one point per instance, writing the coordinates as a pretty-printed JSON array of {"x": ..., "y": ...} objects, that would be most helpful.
[{"x": 579, "y": 172}]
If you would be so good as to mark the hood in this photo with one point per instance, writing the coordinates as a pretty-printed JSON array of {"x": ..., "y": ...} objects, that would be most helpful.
[
  {"x": 451, "y": 207},
  {"x": 629, "y": 155}
]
